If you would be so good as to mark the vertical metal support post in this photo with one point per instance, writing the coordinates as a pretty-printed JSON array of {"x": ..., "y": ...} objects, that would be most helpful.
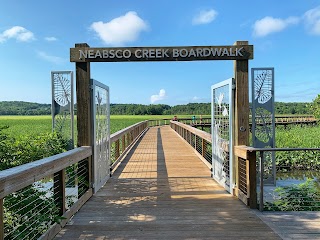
[{"x": 261, "y": 180}]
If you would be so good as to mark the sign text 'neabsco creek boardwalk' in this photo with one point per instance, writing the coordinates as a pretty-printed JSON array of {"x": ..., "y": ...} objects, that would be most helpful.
[{"x": 186, "y": 53}]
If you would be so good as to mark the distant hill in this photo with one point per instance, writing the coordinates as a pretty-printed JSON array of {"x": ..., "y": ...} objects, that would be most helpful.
[
  {"x": 29, "y": 108},
  {"x": 24, "y": 108}
]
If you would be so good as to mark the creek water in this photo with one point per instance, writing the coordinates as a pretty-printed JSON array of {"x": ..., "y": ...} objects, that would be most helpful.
[
  {"x": 284, "y": 179},
  {"x": 297, "y": 177}
]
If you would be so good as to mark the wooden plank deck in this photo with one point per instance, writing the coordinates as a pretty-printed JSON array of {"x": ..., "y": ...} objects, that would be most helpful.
[
  {"x": 163, "y": 191},
  {"x": 293, "y": 225}
]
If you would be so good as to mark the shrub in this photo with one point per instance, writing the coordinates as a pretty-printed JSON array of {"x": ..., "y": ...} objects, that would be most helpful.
[
  {"x": 298, "y": 197},
  {"x": 30, "y": 211}
]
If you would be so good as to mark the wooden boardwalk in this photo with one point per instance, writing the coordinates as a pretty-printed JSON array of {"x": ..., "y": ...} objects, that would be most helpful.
[
  {"x": 163, "y": 191},
  {"x": 293, "y": 225}
]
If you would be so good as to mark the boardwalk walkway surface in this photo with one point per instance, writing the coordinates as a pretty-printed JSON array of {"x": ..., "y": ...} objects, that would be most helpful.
[
  {"x": 163, "y": 191},
  {"x": 293, "y": 225}
]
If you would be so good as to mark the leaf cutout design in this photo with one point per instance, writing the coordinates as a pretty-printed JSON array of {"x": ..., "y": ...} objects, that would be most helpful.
[
  {"x": 220, "y": 99},
  {"x": 62, "y": 90},
  {"x": 225, "y": 111},
  {"x": 261, "y": 89}
]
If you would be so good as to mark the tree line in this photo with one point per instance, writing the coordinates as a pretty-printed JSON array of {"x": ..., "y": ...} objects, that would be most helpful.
[{"x": 28, "y": 108}]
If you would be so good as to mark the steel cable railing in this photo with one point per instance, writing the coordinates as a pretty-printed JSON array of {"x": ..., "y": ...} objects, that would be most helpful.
[
  {"x": 35, "y": 196},
  {"x": 277, "y": 195}
]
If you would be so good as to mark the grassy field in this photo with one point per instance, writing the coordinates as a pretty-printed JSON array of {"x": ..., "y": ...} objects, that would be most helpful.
[
  {"x": 32, "y": 125},
  {"x": 29, "y": 125},
  {"x": 292, "y": 137}
]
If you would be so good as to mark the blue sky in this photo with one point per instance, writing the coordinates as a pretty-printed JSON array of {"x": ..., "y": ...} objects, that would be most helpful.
[{"x": 35, "y": 38}]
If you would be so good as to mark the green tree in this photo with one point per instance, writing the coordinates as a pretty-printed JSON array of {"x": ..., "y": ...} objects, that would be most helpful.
[{"x": 315, "y": 107}]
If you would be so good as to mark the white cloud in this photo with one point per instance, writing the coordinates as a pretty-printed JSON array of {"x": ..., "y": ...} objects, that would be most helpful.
[
  {"x": 49, "y": 58},
  {"x": 17, "y": 32},
  {"x": 204, "y": 17},
  {"x": 50, "y": 39},
  {"x": 158, "y": 97},
  {"x": 195, "y": 98},
  {"x": 121, "y": 30},
  {"x": 312, "y": 19},
  {"x": 268, "y": 25}
]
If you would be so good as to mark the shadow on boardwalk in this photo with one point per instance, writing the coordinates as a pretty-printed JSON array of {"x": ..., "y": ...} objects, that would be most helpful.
[{"x": 163, "y": 191}]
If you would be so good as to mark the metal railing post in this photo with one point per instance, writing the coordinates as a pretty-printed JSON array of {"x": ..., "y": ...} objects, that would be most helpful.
[{"x": 261, "y": 180}]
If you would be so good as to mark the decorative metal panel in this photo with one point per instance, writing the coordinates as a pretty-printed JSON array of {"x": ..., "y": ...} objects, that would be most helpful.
[
  {"x": 263, "y": 121},
  {"x": 222, "y": 122},
  {"x": 62, "y": 104},
  {"x": 101, "y": 131}
]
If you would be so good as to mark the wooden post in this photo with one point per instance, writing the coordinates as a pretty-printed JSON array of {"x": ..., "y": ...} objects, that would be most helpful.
[
  {"x": 59, "y": 191},
  {"x": 128, "y": 139},
  {"x": 123, "y": 143},
  {"x": 203, "y": 147},
  {"x": 241, "y": 106},
  {"x": 84, "y": 113},
  {"x": 251, "y": 179},
  {"x": 117, "y": 153}
]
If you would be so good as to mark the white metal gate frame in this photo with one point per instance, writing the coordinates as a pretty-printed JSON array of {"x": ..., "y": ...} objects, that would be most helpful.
[
  {"x": 101, "y": 134},
  {"x": 220, "y": 145}
]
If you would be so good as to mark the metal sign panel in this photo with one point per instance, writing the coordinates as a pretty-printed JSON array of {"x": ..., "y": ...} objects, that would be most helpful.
[
  {"x": 62, "y": 104},
  {"x": 101, "y": 134},
  {"x": 221, "y": 127},
  {"x": 263, "y": 117}
]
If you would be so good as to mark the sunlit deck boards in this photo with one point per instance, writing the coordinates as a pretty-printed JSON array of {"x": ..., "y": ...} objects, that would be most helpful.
[{"x": 163, "y": 191}]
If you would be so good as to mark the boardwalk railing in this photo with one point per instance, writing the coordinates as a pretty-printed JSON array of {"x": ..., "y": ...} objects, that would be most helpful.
[
  {"x": 279, "y": 120},
  {"x": 38, "y": 195},
  {"x": 295, "y": 199},
  {"x": 159, "y": 122},
  {"x": 37, "y": 199},
  {"x": 199, "y": 140},
  {"x": 246, "y": 178},
  {"x": 122, "y": 141},
  {"x": 206, "y": 121},
  {"x": 296, "y": 119}
]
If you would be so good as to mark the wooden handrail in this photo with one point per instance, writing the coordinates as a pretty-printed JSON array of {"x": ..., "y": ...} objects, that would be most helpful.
[
  {"x": 206, "y": 136},
  {"x": 117, "y": 135},
  {"x": 16, "y": 178}
]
